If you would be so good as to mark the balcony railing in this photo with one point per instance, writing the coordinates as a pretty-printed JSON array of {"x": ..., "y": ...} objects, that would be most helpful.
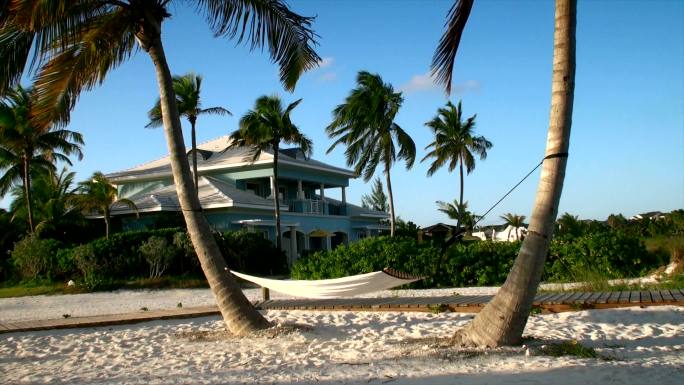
[{"x": 317, "y": 206}]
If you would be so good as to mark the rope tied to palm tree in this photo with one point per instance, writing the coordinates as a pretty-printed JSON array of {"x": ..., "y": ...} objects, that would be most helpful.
[{"x": 550, "y": 156}]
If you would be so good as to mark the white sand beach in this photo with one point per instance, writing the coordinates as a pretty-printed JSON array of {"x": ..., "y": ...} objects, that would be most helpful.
[{"x": 640, "y": 346}]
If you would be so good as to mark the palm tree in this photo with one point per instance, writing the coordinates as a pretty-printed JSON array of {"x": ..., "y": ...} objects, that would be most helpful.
[
  {"x": 376, "y": 200},
  {"x": 455, "y": 143},
  {"x": 75, "y": 44},
  {"x": 26, "y": 148},
  {"x": 459, "y": 212},
  {"x": 569, "y": 226},
  {"x": 502, "y": 321},
  {"x": 97, "y": 195},
  {"x": 515, "y": 221},
  {"x": 51, "y": 194},
  {"x": 263, "y": 129},
  {"x": 187, "y": 89},
  {"x": 365, "y": 124}
]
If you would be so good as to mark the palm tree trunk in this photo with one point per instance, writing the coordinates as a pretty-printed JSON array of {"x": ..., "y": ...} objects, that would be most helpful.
[
  {"x": 460, "y": 199},
  {"x": 276, "y": 201},
  {"x": 194, "y": 156},
  {"x": 240, "y": 316},
  {"x": 391, "y": 201},
  {"x": 106, "y": 219},
  {"x": 27, "y": 192},
  {"x": 502, "y": 321}
]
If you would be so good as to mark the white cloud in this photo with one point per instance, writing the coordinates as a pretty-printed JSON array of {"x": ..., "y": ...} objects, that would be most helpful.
[
  {"x": 426, "y": 82},
  {"x": 326, "y": 62},
  {"x": 419, "y": 83},
  {"x": 328, "y": 77}
]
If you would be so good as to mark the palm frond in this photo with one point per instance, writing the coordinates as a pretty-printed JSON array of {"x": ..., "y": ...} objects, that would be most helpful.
[
  {"x": 270, "y": 23},
  {"x": 445, "y": 55}
]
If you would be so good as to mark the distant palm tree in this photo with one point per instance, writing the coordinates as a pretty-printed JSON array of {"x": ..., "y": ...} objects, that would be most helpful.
[
  {"x": 73, "y": 45},
  {"x": 97, "y": 195},
  {"x": 187, "y": 89},
  {"x": 459, "y": 212},
  {"x": 26, "y": 148},
  {"x": 514, "y": 221},
  {"x": 455, "y": 143},
  {"x": 263, "y": 129},
  {"x": 376, "y": 200},
  {"x": 365, "y": 124},
  {"x": 503, "y": 320},
  {"x": 52, "y": 194},
  {"x": 569, "y": 225}
]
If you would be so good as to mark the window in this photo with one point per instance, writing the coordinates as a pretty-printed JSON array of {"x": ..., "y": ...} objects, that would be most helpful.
[{"x": 253, "y": 187}]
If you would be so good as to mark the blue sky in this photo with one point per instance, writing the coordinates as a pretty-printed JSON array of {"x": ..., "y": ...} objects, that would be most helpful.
[{"x": 627, "y": 146}]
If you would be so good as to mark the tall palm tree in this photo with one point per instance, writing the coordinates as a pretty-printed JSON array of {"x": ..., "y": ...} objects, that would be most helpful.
[
  {"x": 97, "y": 195},
  {"x": 26, "y": 148},
  {"x": 455, "y": 143},
  {"x": 514, "y": 221},
  {"x": 187, "y": 89},
  {"x": 74, "y": 44},
  {"x": 502, "y": 321},
  {"x": 365, "y": 124},
  {"x": 263, "y": 128}
]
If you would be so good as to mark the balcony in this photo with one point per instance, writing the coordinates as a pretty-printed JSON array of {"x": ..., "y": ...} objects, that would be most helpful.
[{"x": 317, "y": 206}]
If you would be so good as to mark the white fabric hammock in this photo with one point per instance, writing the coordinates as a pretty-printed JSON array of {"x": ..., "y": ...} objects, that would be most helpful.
[{"x": 334, "y": 288}]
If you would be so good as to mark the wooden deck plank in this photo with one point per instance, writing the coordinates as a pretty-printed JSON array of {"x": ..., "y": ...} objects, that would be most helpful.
[
  {"x": 584, "y": 297},
  {"x": 624, "y": 297},
  {"x": 614, "y": 297},
  {"x": 655, "y": 295},
  {"x": 634, "y": 296},
  {"x": 645, "y": 297},
  {"x": 677, "y": 295},
  {"x": 603, "y": 298},
  {"x": 667, "y": 297},
  {"x": 555, "y": 299}
]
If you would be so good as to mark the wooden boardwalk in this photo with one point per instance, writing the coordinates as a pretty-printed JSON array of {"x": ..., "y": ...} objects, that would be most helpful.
[{"x": 545, "y": 302}]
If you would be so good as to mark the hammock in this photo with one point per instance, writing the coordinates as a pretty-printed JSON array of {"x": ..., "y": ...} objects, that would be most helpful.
[{"x": 338, "y": 287}]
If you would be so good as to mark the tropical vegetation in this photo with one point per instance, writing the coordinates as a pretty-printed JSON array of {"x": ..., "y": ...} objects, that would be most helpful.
[
  {"x": 365, "y": 124},
  {"x": 455, "y": 144},
  {"x": 377, "y": 199},
  {"x": 72, "y": 46},
  {"x": 188, "y": 90},
  {"x": 28, "y": 149},
  {"x": 263, "y": 129}
]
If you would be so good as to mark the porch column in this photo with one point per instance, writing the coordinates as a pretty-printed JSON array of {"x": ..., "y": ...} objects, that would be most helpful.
[
  {"x": 300, "y": 190},
  {"x": 344, "y": 195},
  {"x": 322, "y": 191},
  {"x": 328, "y": 242},
  {"x": 293, "y": 245},
  {"x": 272, "y": 178},
  {"x": 368, "y": 233}
]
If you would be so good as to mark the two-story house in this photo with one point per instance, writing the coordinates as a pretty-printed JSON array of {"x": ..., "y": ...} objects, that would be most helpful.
[{"x": 236, "y": 193}]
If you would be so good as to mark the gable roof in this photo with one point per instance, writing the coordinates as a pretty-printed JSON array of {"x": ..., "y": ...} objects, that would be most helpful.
[{"x": 215, "y": 155}]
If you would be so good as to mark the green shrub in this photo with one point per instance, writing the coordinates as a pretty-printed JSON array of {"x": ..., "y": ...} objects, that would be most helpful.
[
  {"x": 159, "y": 253},
  {"x": 609, "y": 255},
  {"x": 35, "y": 258},
  {"x": 479, "y": 263},
  {"x": 91, "y": 268},
  {"x": 251, "y": 253}
]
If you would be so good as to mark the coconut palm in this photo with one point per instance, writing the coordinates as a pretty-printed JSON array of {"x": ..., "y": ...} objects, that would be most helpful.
[
  {"x": 51, "y": 194},
  {"x": 502, "y": 321},
  {"x": 97, "y": 195},
  {"x": 365, "y": 124},
  {"x": 455, "y": 143},
  {"x": 459, "y": 212},
  {"x": 26, "y": 148},
  {"x": 263, "y": 128},
  {"x": 75, "y": 44},
  {"x": 187, "y": 89},
  {"x": 514, "y": 221}
]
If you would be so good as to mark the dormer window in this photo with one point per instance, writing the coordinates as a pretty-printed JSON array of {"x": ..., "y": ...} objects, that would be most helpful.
[{"x": 201, "y": 154}]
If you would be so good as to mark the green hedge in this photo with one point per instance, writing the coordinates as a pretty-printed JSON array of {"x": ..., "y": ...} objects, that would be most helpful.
[
  {"x": 130, "y": 255},
  {"x": 482, "y": 263}
]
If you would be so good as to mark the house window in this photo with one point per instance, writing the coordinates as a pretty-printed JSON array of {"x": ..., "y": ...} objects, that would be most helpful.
[
  {"x": 282, "y": 193},
  {"x": 253, "y": 187}
]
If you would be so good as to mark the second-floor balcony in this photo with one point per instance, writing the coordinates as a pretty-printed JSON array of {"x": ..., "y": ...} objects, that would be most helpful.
[{"x": 317, "y": 206}]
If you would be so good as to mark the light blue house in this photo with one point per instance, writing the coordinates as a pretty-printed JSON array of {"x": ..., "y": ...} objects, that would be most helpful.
[{"x": 236, "y": 194}]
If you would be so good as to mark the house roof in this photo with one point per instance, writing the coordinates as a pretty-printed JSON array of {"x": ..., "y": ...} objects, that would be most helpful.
[
  {"x": 213, "y": 193},
  {"x": 215, "y": 155}
]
